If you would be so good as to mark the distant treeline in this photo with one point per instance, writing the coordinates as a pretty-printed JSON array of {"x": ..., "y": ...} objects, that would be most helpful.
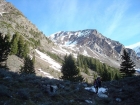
[{"x": 106, "y": 72}]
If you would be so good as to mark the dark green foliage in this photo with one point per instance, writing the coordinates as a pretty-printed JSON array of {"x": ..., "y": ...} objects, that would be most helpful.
[
  {"x": 23, "y": 93},
  {"x": 14, "y": 44},
  {"x": 35, "y": 34},
  {"x": 127, "y": 65},
  {"x": 106, "y": 72},
  {"x": 4, "y": 49},
  {"x": 26, "y": 50},
  {"x": 19, "y": 46},
  {"x": 28, "y": 67},
  {"x": 4, "y": 91},
  {"x": 70, "y": 70},
  {"x": 36, "y": 42}
]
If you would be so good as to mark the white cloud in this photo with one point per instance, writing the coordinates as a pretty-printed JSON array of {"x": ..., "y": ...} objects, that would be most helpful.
[
  {"x": 133, "y": 45},
  {"x": 115, "y": 14}
]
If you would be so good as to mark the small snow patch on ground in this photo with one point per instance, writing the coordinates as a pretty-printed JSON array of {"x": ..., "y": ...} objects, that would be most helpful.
[{"x": 101, "y": 91}]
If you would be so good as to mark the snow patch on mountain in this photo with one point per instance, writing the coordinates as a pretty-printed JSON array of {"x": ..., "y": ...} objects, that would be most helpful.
[
  {"x": 70, "y": 43},
  {"x": 85, "y": 53},
  {"x": 53, "y": 63},
  {"x": 83, "y": 33},
  {"x": 46, "y": 74}
]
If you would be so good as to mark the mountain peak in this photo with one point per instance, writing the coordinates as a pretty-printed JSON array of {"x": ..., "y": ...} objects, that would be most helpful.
[
  {"x": 91, "y": 43},
  {"x": 136, "y": 48}
]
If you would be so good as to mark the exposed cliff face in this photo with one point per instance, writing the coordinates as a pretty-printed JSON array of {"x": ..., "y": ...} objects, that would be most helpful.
[
  {"x": 91, "y": 39},
  {"x": 92, "y": 43}
]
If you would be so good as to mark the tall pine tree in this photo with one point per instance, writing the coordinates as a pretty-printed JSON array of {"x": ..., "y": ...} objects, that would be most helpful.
[
  {"x": 70, "y": 70},
  {"x": 26, "y": 50},
  {"x": 14, "y": 44},
  {"x": 20, "y": 47},
  {"x": 127, "y": 65},
  {"x": 4, "y": 49},
  {"x": 28, "y": 67}
]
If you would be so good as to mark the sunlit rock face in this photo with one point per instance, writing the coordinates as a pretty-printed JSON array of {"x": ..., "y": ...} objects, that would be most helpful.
[{"x": 90, "y": 42}]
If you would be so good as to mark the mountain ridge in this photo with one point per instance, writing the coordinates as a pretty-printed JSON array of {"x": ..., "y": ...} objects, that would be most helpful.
[
  {"x": 136, "y": 48},
  {"x": 91, "y": 39}
]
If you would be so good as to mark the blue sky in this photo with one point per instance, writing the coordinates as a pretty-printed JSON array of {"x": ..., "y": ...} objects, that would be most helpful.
[{"x": 116, "y": 19}]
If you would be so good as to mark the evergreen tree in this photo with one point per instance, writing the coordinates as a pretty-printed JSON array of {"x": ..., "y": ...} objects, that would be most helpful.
[
  {"x": 127, "y": 65},
  {"x": 70, "y": 70},
  {"x": 26, "y": 50},
  {"x": 4, "y": 49},
  {"x": 28, "y": 67},
  {"x": 104, "y": 73},
  {"x": 14, "y": 44},
  {"x": 20, "y": 47}
]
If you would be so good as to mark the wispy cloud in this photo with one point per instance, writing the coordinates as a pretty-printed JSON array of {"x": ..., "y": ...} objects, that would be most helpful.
[
  {"x": 115, "y": 14},
  {"x": 115, "y": 19},
  {"x": 133, "y": 45}
]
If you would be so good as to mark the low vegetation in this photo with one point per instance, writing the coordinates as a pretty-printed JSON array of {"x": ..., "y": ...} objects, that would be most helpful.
[{"x": 20, "y": 89}]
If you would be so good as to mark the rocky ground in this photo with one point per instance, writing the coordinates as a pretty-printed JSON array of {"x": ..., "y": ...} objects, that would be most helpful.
[{"x": 19, "y": 89}]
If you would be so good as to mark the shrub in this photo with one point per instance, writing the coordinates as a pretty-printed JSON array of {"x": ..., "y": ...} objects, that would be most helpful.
[
  {"x": 4, "y": 91},
  {"x": 23, "y": 93}
]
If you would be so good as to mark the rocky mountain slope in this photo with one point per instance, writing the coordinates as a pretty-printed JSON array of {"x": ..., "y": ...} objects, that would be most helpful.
[
  {"x": 90, "y": 42},
  {"x": 13, "y": 21}
]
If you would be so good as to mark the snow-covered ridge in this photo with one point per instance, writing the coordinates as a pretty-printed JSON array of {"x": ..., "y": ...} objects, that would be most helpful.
[
  {"x": 79, "y": 33},
  {"x": 89, "y": 42}
]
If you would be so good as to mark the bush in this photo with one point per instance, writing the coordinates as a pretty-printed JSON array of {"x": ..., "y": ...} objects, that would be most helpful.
[
  {"x": 4, "y": 91},
  {"x": 23, "y": 93}
]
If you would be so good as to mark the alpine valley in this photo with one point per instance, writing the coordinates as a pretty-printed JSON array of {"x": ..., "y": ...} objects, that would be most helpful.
[
  {"x": 88, "y": 42},
  {"x": 45, "y": 86}
]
